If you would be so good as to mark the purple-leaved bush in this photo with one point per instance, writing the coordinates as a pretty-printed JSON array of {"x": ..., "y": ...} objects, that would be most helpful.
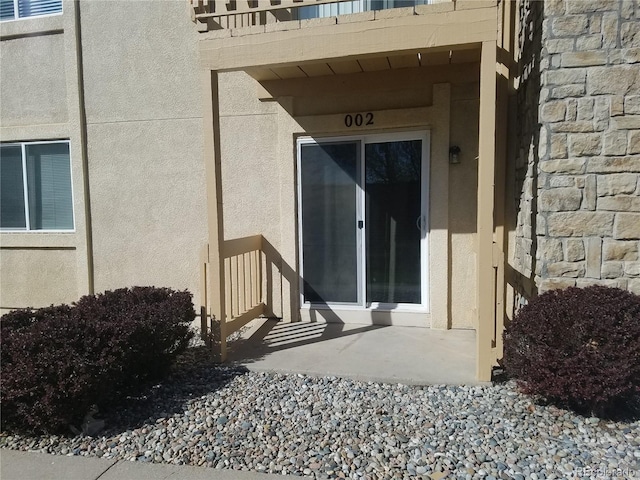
[
  {"x": 578, "y": 348},
  {"x": 58, "y": 361}
]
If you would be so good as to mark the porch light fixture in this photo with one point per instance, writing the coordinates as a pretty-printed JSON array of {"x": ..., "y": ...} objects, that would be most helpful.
[{"x": 454, "y": 154}]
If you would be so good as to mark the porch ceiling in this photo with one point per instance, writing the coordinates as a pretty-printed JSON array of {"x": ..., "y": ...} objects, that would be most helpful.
[{"x": 424, "y": 58}]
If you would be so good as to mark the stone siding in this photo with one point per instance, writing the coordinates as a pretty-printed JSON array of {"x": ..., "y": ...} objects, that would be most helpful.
[
  {"x": 527, "y": 134},
  {"x": 588, "y": 162}
]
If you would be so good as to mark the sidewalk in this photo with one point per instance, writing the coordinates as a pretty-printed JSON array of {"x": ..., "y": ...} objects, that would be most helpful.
[{"x": 16, "y": 465}]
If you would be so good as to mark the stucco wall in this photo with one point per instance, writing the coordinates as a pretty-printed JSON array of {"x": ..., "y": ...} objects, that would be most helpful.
[
  {"x": 39, "y": 101},
  {"x": 250, "y": 173},
  {"x": 259, "y": 162},
  {"x": 144, "y": 144},
  {"x": 136, "y": 80},
  {"x": 463, "y": 201},
  {"x": 33, "y": 81},
  {"x": 37, "y": 277}
]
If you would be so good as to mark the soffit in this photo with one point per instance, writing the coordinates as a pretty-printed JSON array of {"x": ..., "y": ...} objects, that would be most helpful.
[{"x": 423, "y": 59}]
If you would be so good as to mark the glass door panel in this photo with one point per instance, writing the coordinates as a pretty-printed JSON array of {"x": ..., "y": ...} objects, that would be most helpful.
[
  {"x": 329, "y": 179},
  {"x": 393, "y": 172}
]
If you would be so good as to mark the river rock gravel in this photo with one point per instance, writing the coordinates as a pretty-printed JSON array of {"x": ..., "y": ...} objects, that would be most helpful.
[{"x": 328, "y": 427}]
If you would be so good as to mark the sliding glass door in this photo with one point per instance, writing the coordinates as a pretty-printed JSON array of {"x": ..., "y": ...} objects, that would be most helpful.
[
  {"x": 329, "y": 180},
  {"x": 392, "y": 187},
  {"x": 363, "y": 224}
]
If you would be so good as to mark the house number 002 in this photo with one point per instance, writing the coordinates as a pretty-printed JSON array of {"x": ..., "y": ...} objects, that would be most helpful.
[{"x": 358, "y": 119}]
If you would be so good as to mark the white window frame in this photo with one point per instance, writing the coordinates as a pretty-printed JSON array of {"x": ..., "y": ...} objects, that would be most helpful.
[
  {"x": 23, "y": 150},
  {"x": 424, "y": 306},
  {"x": 17, "y": 17}
]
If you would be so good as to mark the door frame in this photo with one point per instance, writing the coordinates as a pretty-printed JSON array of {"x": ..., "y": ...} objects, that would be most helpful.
[{"x": 425, "y": 136}]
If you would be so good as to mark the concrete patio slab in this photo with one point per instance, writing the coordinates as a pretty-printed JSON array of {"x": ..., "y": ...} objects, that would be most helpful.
[
  {"x": 16, "y": 465},
  {"x": 409, "y": 355}
]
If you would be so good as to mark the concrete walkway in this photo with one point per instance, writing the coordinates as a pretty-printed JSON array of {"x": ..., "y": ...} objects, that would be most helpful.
[
  {"x": 390, "y": 354},
  {"x": 40, "y": 466}
]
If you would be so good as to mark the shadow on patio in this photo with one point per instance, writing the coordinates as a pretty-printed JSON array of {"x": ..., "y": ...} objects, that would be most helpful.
[{"x": 365, "y": 352}]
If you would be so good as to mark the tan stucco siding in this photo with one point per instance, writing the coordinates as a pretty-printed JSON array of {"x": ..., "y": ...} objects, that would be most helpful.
[
  {"x": 463, "y": 201},
  {"x": 250, "y": 174},
  {"x": 147, "y": 204},
  {"x": 144, "y": 144},
  {"x": 140, "y": 61},
  {"x": 39, "y": 101},
  {"x": 33, "y": 81},
  {"x": 37, "y": 277}
]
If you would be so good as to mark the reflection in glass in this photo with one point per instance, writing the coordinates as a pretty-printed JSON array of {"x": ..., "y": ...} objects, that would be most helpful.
[
  {"x": 392, "y": 187},
  {"x": 11, "y": 188},
  {"x": 49, "y": 186},
  {"x": 329, "y": 179}
]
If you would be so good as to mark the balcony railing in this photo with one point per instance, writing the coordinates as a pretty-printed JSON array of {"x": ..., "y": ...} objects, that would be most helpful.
[
  {"x": 215, "y": 14},
  {"x": 248, "y": 268},
  {"x": 242, "y": 266}
]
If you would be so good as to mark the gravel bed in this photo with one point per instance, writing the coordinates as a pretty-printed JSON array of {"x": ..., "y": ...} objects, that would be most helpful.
[{"x": 327, "y": 427}]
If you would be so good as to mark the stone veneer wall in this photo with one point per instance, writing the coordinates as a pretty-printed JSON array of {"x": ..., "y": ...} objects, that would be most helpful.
[
  {"x": 527, "y": 133},
  {"x": 584, "y": 178}
]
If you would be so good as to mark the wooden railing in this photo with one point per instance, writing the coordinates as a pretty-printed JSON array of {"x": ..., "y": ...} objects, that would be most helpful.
[
  {"x": 242, "y": 260},
  {"x": 227, "y": 14},
  {"x": 231, "y": 7},
  {"x": 216, "y": 14},
  {"x": 242, "y": 264}
]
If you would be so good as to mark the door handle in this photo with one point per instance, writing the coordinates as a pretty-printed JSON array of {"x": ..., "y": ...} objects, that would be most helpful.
[
  {"x": 360, "y": 224},
  {"x": 419, "y": 222}
]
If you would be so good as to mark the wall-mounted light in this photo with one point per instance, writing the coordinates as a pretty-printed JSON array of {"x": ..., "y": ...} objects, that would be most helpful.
[{"x": 454, "y": 154}]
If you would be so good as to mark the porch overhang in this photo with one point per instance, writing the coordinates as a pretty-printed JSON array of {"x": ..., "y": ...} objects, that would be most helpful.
[
  {"x": 399, "y": 34},
  {"x": 398, "y": 38}
]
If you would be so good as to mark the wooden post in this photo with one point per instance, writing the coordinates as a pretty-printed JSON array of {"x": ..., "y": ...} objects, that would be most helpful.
[
  {"x": 486, "y": 170},
  {"x": 505, "y": 88},
  {"x": 204, "y": 294},
  {"x": 500, "y": 201},
  {"x": 216, "y": 295}
]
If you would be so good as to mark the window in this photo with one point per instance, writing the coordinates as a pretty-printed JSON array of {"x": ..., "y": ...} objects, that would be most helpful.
[
  {"x": 14, "y": 9},
  {"x": 35, "y": 186},
  {"x": 355, "y": 6}
]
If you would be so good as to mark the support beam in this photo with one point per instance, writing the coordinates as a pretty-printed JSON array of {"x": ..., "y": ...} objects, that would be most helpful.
[
  {"x": 296, "y": 45},
  {"x": 500, "y": 201},
  {"x": 486, "y": 171},
  {"x": 216, "y": 294}
]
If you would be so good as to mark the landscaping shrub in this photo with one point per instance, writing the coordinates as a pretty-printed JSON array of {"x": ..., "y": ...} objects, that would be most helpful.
[
  {"x": 579, "y": 348},
  {"x": 57, "y": 362}
]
